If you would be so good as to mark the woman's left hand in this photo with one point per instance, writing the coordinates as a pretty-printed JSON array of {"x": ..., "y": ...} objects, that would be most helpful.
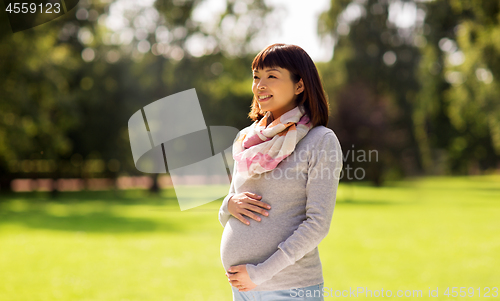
[{"x": 238, "y": 277}]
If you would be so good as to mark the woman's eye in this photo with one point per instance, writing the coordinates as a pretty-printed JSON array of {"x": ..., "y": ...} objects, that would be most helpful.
[
  {"x": 255, "y": 77},
  {"x": 272, "y": 76}
]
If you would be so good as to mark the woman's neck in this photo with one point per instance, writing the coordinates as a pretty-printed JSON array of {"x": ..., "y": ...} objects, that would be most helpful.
[
  {"x": 278, "y": 114},
  {"x": 270, "y": 119}
]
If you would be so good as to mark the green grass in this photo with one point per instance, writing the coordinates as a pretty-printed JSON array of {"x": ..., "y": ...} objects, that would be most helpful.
[{"x": 412, "y": 235}]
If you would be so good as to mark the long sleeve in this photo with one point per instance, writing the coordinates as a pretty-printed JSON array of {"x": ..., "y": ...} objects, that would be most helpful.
[
  {"x": 321, "y": 189},
  {"x": 223, "y": 211}
]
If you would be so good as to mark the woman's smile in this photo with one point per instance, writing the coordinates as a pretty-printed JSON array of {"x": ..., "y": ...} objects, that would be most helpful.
[{"x": 263, "y": 98}]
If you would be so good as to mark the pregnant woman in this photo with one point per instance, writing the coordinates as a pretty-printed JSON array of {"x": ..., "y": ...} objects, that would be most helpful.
[{"x": 285, "y": 178}]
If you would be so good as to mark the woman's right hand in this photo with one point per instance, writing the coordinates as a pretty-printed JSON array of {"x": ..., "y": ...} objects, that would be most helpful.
[{"x": 246, "y": 203}]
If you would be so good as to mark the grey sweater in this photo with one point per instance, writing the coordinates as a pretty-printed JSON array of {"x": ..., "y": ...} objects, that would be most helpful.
[{"x": 281, "y": 251}]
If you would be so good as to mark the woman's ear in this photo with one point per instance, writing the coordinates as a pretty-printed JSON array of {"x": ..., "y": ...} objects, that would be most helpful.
[{"x": 299, "y": 87}]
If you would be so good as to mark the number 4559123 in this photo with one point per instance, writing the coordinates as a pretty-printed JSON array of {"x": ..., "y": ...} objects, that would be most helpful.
[
  {"x": 471, "y": 292},
  {"x": 24, "y": 8}
]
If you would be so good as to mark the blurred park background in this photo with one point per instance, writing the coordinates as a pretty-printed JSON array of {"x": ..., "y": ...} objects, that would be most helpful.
[{"x": 417, "y": 81}]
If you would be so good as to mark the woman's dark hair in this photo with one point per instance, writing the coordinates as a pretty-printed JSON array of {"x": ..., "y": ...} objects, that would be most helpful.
[{"x": 300, "y": 65}]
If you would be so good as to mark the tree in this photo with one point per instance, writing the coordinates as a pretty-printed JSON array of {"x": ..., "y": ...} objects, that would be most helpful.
[
  {"x": 435, "y": 63},
  {"x": 376, "y": 58},
  {"x": 70, "y": 85}
]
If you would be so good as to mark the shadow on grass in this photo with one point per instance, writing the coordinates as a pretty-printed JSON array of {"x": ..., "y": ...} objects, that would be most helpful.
[
  {"x": 96, "y": 222},
  {"x": 127, "y": 197},
  {"x": 102, "y": 219}
]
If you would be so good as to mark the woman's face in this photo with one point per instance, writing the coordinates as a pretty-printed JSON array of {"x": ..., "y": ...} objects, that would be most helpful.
[{"x": 275, "y": 91}]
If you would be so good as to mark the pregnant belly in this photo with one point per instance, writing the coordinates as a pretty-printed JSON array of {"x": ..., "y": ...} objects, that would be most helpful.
[{"x": 242, "y": 244}]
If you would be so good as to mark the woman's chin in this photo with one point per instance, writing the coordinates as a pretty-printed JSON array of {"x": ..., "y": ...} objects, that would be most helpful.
[{"x": 266, "y": 107}]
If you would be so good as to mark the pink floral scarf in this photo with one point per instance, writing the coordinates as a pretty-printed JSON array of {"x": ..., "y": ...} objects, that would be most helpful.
[{"x": 260, "y": 148}]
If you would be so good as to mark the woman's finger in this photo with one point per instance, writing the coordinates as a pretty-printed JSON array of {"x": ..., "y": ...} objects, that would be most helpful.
[
  {"x": 261, "y": 204},
  {"x": 242, "y": 219},
  {"x": 253, "y": 195},
  {"x": 251, "y": 215},
  {"x": 258, "y": 203},
  {"x": 257, "y": 209}
]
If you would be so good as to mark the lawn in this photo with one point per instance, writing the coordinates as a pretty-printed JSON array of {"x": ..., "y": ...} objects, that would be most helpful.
[{"x": 422, "y": 234}]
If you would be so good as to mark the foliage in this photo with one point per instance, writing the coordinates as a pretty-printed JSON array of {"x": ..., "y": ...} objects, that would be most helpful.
[
  {"x": 422, "y": 95},
  {"x": 435, "y": 75},
  {"x": 70, "y": 85}
]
